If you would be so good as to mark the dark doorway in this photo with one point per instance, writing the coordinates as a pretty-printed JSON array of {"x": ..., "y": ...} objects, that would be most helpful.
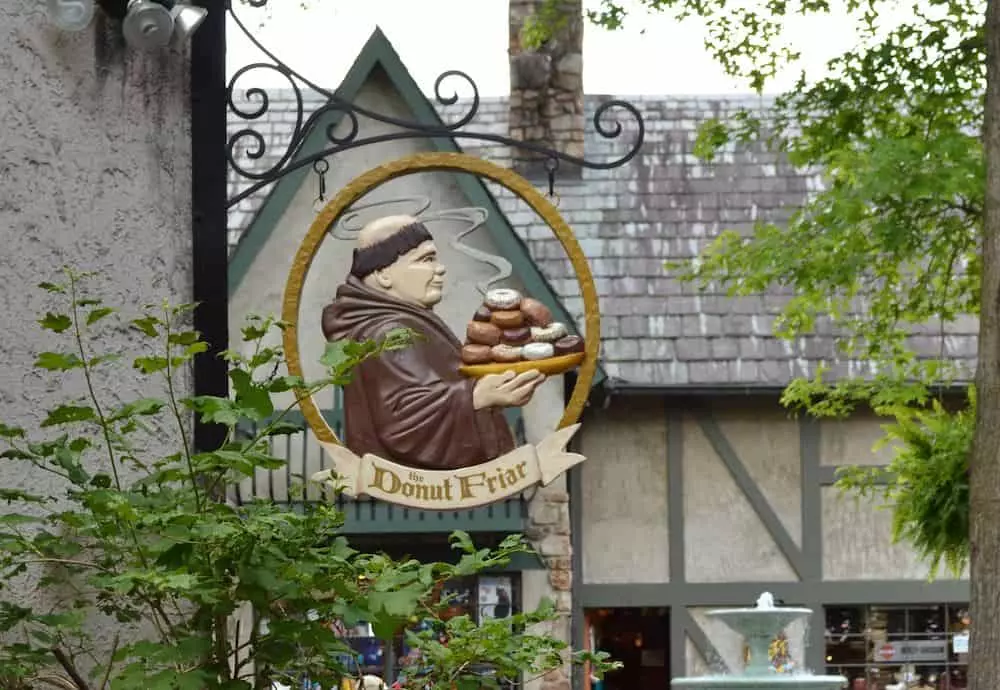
[{"x": 637, "y": 637}]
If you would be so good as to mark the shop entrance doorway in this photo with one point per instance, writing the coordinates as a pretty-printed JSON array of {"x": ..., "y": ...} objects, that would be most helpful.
[{"x": 637, "y": 637}]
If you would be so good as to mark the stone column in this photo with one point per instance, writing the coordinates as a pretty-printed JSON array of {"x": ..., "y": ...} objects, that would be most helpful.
[
  {"x": 549, "y": 532},
  {"x": 546, "y": 87}
]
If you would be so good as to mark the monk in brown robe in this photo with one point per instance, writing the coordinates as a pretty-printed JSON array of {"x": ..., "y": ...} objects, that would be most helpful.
[{"x": 412, "y": 406}]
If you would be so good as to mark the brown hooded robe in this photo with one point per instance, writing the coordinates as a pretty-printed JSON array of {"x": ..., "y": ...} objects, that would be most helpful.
[{"x": 411, "y": 406}]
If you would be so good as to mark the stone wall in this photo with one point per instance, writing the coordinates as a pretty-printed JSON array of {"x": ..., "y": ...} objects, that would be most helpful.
[
  {"x": 546, "y": 85},
  {"x": 95, "y": 173}
]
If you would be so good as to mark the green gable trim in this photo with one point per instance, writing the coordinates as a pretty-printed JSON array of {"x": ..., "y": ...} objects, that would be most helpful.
[{"x": 378, "y": 53}]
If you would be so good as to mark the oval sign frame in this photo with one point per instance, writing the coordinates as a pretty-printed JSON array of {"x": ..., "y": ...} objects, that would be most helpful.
[{"x": 440, "y": 162}]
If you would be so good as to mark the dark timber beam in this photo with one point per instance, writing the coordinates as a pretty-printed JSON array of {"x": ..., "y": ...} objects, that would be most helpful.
[
  {"x": 701, "y": 643},
  {"x": 846, "y": 592},
  {"x": 746, "y": 484}
]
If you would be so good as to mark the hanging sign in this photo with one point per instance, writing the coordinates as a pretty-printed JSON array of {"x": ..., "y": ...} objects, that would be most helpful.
[{"x": 425, "y": 424}]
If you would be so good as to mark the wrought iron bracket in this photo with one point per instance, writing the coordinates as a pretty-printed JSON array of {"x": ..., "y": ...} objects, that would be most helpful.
[{"x": 258, "y": 102}]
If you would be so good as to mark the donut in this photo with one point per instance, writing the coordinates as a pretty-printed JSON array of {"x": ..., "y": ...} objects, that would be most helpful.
[
  {"x": 516, "y": 336},
  {"x": 506, "y": 353},
  {"x": 534, "y": 351},
  {"x": 568, "y": 345},
  {"x": 482, "y": 314},
  {"x": 503, "y": 299},
  {"x": 536, "y": 312},
  {"x": 508, "y": 319},
  {"x": 476, "y": 354},
  {"x": 480, "y": 333},
  {"x": 548, "y": 334}
]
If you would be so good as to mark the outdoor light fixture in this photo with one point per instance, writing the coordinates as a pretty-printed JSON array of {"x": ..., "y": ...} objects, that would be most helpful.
[
  {"x": 151, "y": 24},
  {"x": 70, "y": 15}
]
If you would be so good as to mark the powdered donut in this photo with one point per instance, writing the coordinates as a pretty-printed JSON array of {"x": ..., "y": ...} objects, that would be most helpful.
[
  {"x": 508, "y": 319},
  {"x": 506, "y": 353},
  {"x": 476, "y": 354},
  {"x": 516, "y": 336},
  {"x": 482, "y": 314},
  {"x": 568, "y": 345},
  {"x": 503, "y": 298},
  {"x": 536, "y": 312},
  {"x": 535, "y": 351},
  {"x": 480, "y": 333},
  {"x": 548, "y": 334}
]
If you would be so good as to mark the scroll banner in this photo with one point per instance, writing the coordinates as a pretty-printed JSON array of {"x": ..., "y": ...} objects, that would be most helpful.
[{"x": 469, "y": 487}]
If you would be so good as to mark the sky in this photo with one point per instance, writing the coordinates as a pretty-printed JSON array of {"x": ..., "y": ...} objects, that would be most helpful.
[{"x": 651, "y": 56}]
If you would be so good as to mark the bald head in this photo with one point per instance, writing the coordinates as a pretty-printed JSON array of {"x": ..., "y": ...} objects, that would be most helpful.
[
  {"x": 396, "y": 255},
  {"x": 382, "y": 229}
]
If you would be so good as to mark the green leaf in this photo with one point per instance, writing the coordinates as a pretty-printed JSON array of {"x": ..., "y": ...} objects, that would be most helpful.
[
  {"x": 69, "y": 414},
  {"x": 52, "y": 287},
  {"x": 215, "y": 410},
  {"x": 11, "y": 431},
  {"x": 58, "y": 361},
  {"x": 150, "y": 365},
  {"x": 96, "y": 315},
  {"x": 56, "y": 322},
  {"x": 143, "y": 407},
  {"x": 147, "y": 325},
  {"x": 254, "y": 399},
  {"x": 184, "y": 338}
]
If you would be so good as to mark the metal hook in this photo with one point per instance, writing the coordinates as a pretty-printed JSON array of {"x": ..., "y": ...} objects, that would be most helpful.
[
  {"x": 552, "y": 165},
  {"x": 321, "y": 167}
]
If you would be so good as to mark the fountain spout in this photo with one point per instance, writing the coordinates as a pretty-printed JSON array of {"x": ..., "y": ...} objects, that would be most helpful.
[{"x": 765, "y": 601}]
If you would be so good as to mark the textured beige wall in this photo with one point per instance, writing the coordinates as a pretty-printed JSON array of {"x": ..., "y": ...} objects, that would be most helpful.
[
  {"x": 857, "y": 542},
  {"x": 852, "y": 441},
  {"x": 95, "y": 173},
  {"x": 724, "y": 539},
  {"x": 625, "y": 493}
]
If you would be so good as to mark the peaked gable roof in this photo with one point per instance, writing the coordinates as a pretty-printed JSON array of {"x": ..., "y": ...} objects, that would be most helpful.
[{"x": 378, "y": 54}]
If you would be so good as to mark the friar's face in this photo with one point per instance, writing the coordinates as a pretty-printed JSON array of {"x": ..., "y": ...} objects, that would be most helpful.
[{"x": 416, "y": 277}]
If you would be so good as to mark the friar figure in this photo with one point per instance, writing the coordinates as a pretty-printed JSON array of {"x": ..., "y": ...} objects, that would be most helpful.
[{"x": 412, "y": 406}]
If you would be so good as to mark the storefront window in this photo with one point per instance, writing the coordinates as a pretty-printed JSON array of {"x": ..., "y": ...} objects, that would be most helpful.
[{"x": 898, "y": 647}]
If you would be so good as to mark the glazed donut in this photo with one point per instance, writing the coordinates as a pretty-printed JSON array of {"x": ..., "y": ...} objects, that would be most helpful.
[
  {"x": 480, "y": 333},
  {"x": 506, "y": 353},
  {"x": 536, "y": 312},
  {"x": 508, "y": 319},
  {"x": 516, "y": 336},
  {"x": 503, "y": 299},
  {"x": 482, "y": 314},
  {"x": 535, "y": 351},
  {"x": 476, "y": 354},
  {"x": 568, "y": 345},
  {"x": 548, "y": 334}
]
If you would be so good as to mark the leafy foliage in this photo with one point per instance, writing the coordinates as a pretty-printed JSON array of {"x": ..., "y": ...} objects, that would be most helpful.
[{"x": 147, "y": 543}]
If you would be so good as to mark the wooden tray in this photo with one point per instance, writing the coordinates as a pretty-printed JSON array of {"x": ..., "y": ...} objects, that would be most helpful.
[{"x": 550, "y": 367}]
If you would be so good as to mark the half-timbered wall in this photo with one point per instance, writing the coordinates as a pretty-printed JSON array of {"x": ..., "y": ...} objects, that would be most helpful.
[{"x": 697, "y": 503}]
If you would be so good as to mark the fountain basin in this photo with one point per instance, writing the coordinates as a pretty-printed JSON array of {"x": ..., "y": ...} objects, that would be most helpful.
[{"x": 775, "y": 681}]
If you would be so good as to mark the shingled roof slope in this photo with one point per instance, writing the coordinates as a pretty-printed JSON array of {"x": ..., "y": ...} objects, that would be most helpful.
[{"x": 664, "y": 205}]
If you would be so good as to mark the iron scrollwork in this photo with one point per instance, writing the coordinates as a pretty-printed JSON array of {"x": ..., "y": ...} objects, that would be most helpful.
[{"x": 254, "y": 145}]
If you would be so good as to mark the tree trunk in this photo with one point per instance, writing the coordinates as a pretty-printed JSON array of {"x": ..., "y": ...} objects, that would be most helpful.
[{"x": 984, "y": 651}]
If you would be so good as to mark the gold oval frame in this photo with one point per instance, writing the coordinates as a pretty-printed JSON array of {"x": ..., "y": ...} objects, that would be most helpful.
[{"x": 437, "y": 162}]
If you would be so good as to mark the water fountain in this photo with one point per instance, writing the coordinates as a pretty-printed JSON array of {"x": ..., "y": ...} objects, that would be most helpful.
[{"x": 759, "y": 626}]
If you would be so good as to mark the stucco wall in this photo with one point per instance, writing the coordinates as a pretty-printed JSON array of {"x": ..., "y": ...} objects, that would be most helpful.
[
  {"x": 625, "y": 494},
  {"x": 94, "y": 173}
]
